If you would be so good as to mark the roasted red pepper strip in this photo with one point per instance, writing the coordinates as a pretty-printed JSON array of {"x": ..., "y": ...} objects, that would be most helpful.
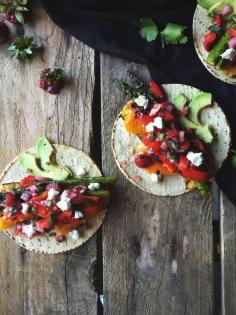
[
  {"x": 39, "y": 198},
  {"x": 42, "y": 211},
  {"x": 156, "y": 90},
  {"x": 194, "y": 174}
]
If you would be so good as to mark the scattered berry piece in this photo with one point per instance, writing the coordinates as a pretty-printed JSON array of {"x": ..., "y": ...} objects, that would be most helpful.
[
  {"x": 10, "y": 199},
  {"x": 143, "y": 160},
  {"x": 15, "y": 11},
  {"x": 51, "y": 80}
]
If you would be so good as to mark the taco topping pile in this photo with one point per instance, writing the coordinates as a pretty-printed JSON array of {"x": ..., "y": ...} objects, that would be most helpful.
[
  {"x": 50, "y": 201},
  {"x": 173, "y": 138},
  {"x": 220, "y": 40}
]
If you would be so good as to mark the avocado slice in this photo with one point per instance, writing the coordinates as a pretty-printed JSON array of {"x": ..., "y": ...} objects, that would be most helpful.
[
  {"x": 46, "y": 153},
  {"x": 202, "y": 131},
  {"x": 199, "y": 102},
  {"x": 29, "y": 162},
  {"x": 179, "y": 100},
  {"x": 209, "y": 3},
  {"x": 218, "y": 7}
]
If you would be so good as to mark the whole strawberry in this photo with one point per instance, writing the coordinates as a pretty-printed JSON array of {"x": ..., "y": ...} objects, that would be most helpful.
[
  {"x": 143, "y": 160},
  {"x": 51, "y": 80},
  {"x": 4, "y": 32},
  {"x": 14, "y": 11}
]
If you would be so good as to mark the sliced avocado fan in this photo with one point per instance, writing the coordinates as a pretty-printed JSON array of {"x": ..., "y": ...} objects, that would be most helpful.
[
  {"x": 44, "y": 163},
  {"x": 200, "y": 101}
]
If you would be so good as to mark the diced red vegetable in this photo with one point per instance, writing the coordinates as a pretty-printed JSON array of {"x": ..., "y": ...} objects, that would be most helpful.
[
  {"x": 209, "y": 40},
  {"x": 42, "y": 211},
  {"x": 217, "y": 20},
  {"x": 39, "y": 198},
  {"x": 146, "y": 119},
  {"x": 156, "y": 90},
  {"x": 65, "y": 216},
  {"x": 194, "y": 174},
  {"x": 90, "y": 211},
  {"x": 169, "y": 117},
  {"x": 183, "y": 163},
  {"x": 27, "y": 181},
  {"x": 46, "y": 224}
]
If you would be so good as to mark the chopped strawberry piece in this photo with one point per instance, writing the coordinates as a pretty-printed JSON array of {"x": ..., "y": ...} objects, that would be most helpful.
[
  {"x": 39, "y": 198},
  {"x": 209, "y": 40},
  {"x": 185, "y": 145},
  {"x": 79, "y": 189},
  {"x": 143, "y": 160},
  {"x": 169, "y": 117},
  {"x": 150, "y": 142},
  {"x": 183, "y": 163},
  {"x": 172, "y": 134},
  {"x": 232, "y": 32},
  {"x": 10, "y": 199},
  {"x": 77, "y": 198},
  {"x": 27, "y": 181},
  {"x": 55, "y": 186},
  {"x": 217, "y": 20}
]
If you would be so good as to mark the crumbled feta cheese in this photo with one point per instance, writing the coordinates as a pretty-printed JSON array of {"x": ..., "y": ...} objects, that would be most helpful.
[
  {"x": 80, "y": 171},
  {"x": 64, "y": 204},
  {"x": 141, "y": 101},
  {"x": 65, "y": 194},
  {"x": 74, "y": 234},
  {"x": 195, "y": 158},
  {"x": 7, "y": 210},
  {"x": 28, "y": 230},
  {"x": 52, "y": 193},
  {"x": 158, "y": 122},
  {"x": 25, "y": 208},
  {"x": 229, "y": 54},
  {"x": 78, "y": 215},
  {"x": 94, "y": 186},
  {"x": 150, "y": 127},
  {"x": 155, "y": 178}
]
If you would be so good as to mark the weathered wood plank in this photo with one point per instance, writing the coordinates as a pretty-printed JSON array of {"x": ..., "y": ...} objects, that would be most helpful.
[
  {"x": 228, "y": 255},
  {"x": 157, "y": 252},
  {"x": 35, "y": 284}
]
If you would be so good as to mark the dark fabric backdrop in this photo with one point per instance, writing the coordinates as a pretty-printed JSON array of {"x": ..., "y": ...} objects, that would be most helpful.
[{"x": 106, "y": 26}]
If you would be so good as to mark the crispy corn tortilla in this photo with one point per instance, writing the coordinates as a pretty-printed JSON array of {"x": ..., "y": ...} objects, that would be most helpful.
[
  {"x": 125, "y": 146},
  {"x": 48, "y": 245},
  {"x": 200, "y": 28}
]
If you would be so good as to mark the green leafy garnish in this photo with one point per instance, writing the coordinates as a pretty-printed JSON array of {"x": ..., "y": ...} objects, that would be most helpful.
[
  {"x": 173, "y": 34},
  {"x": 22, "y": 48},
  {"x": 202, "y": 187},
  {"x": 233, "y": 158},
  {"x": 16, "y": 7},
  {"x": 147, "y": 29}
]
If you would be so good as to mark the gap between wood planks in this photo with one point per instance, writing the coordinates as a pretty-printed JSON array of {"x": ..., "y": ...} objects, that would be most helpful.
[{"x": 96, "y": 153}]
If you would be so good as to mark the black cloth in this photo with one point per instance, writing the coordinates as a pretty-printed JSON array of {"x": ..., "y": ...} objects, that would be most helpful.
[{"x": 105, "y": 25}]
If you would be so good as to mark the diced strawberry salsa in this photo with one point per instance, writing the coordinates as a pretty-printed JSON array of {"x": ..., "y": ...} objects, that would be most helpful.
[
  {"x": 167, "y": 143},
  {"x": 49, "y": 209}
]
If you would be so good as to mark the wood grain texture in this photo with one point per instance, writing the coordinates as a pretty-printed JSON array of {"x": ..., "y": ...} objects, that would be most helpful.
[
  {"x": 157, "y": 252},
  {"x": 30, "y": 283},
  {"x": 228, "y": 255}
]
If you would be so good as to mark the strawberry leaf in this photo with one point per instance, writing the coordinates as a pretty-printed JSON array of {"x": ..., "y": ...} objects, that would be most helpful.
[
  {"x": 147, "y": 29},
  {"x": 19, "y": 17}
]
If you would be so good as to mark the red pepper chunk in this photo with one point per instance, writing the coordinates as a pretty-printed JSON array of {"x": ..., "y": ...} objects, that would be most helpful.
[
  {"x": 209, "y": 40},
  {"x": 90, "y": 211},
  {"x": 232, "y": 32},
  {"x": 183, "y": 163},
  {"x": 44, "y": 224},
  {"x": 156, "y": 90},
  {"x": 42, "y": 211},
  {"x": 194, "y": 174},
  {"x": 39, "y": 198},
  {"x": 27, "y": 181},
  {"x": 217, "y": 20},
  {"x": 65, "y": 216}
]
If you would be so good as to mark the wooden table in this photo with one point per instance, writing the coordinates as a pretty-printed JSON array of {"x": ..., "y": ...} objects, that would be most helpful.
[{"x": 153, "y": 255}]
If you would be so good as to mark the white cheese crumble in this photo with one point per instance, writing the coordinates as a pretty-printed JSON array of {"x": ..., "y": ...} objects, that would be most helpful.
[
  {"x": 94, "y": 186},
  {"x": 195, "y": 158},
  {"x": 141, "y": 101},
  {"x": 52, "y": 193},
  {"x": 78, "y": 215},
  {"x": 25, "y": 208},
  {"x": 80, "y": 171},
  {"x": 74, "y": 234},
  {"x": 28, "y": 230},
  {"x": 150, "y": 127},
  {"x": 64, "y": 204},
  {"x": 158, "y": 122},
  {"x": 229, "y": 54}
]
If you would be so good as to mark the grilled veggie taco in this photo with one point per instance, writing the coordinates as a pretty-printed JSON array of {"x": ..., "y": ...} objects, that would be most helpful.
[
  {"x": 170, "y": 139},
  {"x": 52, "y": 198}
]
